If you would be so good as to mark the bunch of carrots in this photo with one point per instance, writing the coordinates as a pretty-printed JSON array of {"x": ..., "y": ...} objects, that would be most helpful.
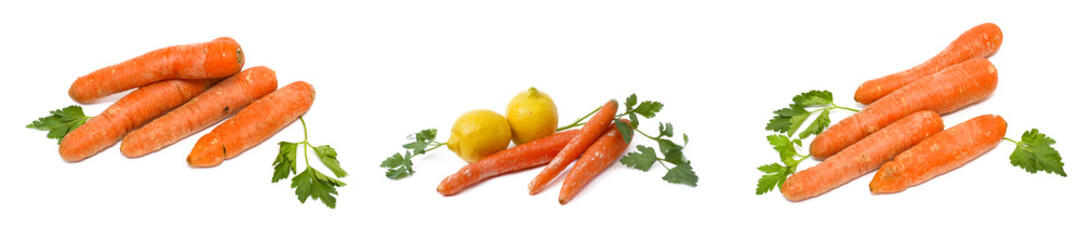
[
  {"x": 900, "y": 132},
  {"x": 179, "y": 90},
  {"x": 596, "y": 145}
]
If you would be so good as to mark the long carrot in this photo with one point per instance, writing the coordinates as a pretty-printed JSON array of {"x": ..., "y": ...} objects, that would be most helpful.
[
  {"x": 940, "y": 153},
  {"x": 204, "y": 110},
  {"x": 130, "y": 112},
  {"x": 590, "y": 132},
  {"x": 253, "y": 124},
  {"x": 943, "y": 92},
  {"x": 979, "y": 42},
  {"x": 528, "y": 155},
  {"x": 215, "y": 59},
  {"x": 863, "y": 157},
  {"x": 602, "y": 153}
]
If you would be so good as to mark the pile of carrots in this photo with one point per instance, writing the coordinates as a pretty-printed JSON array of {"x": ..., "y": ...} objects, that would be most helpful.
[
  {"x": 596, "y": 145},
  {"x": 182, "y": 90},
  {"x": 901, "y": 130}
]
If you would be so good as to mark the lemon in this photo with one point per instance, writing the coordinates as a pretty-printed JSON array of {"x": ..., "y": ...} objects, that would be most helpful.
[
  {"x": 532, "y": 115},
  {"x": 477, "y": 134}
]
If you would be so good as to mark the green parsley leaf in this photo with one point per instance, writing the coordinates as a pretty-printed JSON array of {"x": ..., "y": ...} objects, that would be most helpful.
[
  {"x": 285, "y": 163},
  {"x": 666, "y": 130},
  {"x": 813, "y": 98},
  {"x": 817, "y": 126},
  {"x": 788, "y": 120},
  {"x": 775, "y": 176},
  {"x": 401, "y": 165},
  {"x": 641, "y": 160},
  {"x": 776, "y": 173},
  {"x": 329, "y": 157},
  {"x": 60, "y": 122},
  {"x": 1034, "y": 153},
  {"x": 783, "y": 146},
  {"x": 315, "y": 185},
  {"x": 682, "y": 174},
  {"x": 648, "y": 109},
  {"x": 626, "y": 130}
]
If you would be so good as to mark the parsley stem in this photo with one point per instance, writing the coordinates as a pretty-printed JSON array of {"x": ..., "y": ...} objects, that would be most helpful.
[
  {"x": 845, "y": 108},
  {"x": 434, "y": 146},
  {"x": 647, "y": 135},
  {"x": 579, "y": 121},
  {"x": 305, "y": 125},
  {"x": 1011, "y": 140}
]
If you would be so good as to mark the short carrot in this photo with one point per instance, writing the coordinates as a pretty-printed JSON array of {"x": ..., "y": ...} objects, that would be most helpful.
[
  {"x": 861, "y": 158},
  {"x": 590, "y": 132},
  {"x": 528, "y": 155},
  {"x": 217, "y": 103},
  {"x": 253, "y": 125},
  {"x": 943, "y": 92},
  {"x": 940, "y": 153},
  {"x": 219, "y": 58},
  {"x": 979, "y": 42},
  {"x": 130, "y": 112},
  {"x": 602, "y": 153}
]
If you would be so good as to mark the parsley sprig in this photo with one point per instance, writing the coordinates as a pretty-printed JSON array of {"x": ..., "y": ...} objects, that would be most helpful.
[
  {"x": 401, "y": 165},
  {"x": 309, "y": 183},
  {"x": 787, "y": 121},
  {"x": 1034, "y": 153},
  {"x": 681, "y": 171},
  {"x": 60, "y": 122}
]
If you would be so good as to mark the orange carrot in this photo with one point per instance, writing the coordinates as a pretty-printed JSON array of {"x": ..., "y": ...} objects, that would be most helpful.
[
  {"x": 979, "y": 42},
  {"x": 590, "y": 132},
  {"x": 602, "y": 153},
  {"x": 215, "y": 59},
  {"x": 863, "y": 157},
  {"x": 940, "y": 153},
  {"x": 253, "y": 124},
  {"x": 528, "y": 155},
  {"x": 946, "y": 91},
  {"x": 130, "y": 112},
  {"x": 204, "y": 110}
]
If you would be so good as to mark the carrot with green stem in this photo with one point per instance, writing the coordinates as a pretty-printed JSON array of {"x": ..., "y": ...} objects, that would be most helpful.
[
  {"x": 940, "y": 153},
  {"x": 128, "y": 113},
  {"x": 600, "y": 154},
  {"x": 253, "y": 124},
  {"x": 861, "y": 158},
  {"x": 979, "y": 42},
  {"x": 218, "y": 58},
  {"x": 527, "y": 155},
  {"x": 944, "y": 92},
  {"x": 589, "y": 133},
  {"x": 217, "y": 103}
]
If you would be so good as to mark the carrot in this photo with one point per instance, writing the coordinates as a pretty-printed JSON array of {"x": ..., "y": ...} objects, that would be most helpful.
[
  {"x": 602, "y": 153},
  {"x": 215, "y": 59},
  {"x": 528, "y": 155},
  {"x": 943, "y": 92},
  {"x": 863, "y": 157},
  {"x": 130, "y": 112},
  {"x": 253, "y": 124},
  {"x": 940, "y": 153},
  {"x": 204, "y": 110},
  {"x": 979, "y": 42},
  {"x": 590, "y": 132}
]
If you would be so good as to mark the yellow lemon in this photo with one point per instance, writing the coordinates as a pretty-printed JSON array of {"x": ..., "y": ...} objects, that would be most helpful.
[
  {"x": 532, "y": 115},
  {"x": 477, "y": 134}
]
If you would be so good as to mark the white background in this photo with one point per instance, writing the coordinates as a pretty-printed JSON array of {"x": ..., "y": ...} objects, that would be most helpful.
[{"x": 386, "y": 69}]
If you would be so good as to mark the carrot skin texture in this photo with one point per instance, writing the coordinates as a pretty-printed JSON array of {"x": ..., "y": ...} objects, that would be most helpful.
[
  {"x": 128, "y": 113},
  {"x": 940, "y": 153},
  {"x": 217, "y": 103},
  {"x": 601, "y": 154},
  {"x": 253, "y": 125},
  {"x": 218, "y": 58},
  {"x": 863, "y": 157},
  {"x": 528, "y": 155},
  {"x": 943, "y": 92},
  {"x": 981, "y": 41},
  {"x": 590, "y": 132}
]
